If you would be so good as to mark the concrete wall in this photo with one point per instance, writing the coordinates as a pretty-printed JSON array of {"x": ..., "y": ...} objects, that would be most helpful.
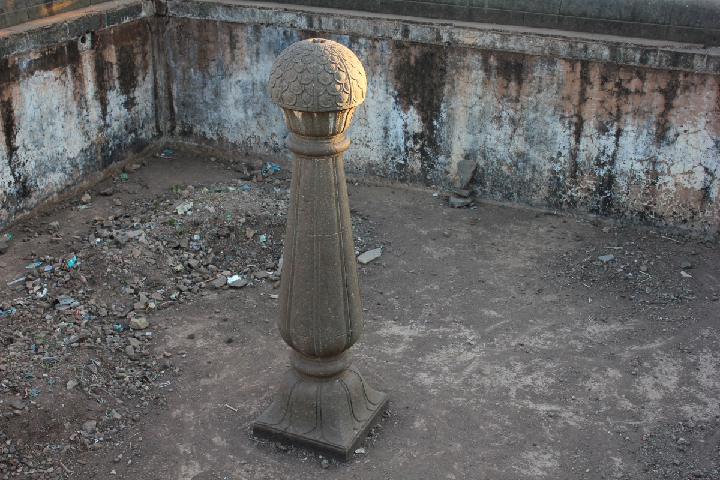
[
  {"x": 628, "y": 129},
  {"x": 625, "y": 129},
  {"x": 692, "y": 21},
  {"x": 71, "y": 107}
]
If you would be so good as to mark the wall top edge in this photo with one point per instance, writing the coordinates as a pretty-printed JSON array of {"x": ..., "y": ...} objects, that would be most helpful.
[
  {"x": 696, "y": 21},
  {"x": 36, "y": 34},
  {"x": 640, "y": 52}
]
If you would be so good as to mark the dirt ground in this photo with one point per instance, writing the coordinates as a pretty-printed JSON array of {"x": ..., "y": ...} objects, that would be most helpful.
[{"x": 508, "y": 347}]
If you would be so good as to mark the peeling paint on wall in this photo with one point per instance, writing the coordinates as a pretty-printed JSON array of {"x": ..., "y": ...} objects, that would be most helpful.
[
  {"x": 69, "y": 110},
  {"x": 219, "y": 75},
  {"x": 625, "y": 130},
  {"x": 630, "y": 142}
]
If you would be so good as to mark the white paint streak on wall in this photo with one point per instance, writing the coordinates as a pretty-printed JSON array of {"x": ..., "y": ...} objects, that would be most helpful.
[{"x": 60, "y": 132}]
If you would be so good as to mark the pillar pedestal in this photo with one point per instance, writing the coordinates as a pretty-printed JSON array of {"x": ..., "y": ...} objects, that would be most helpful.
[{"x": 331, "y": 415}]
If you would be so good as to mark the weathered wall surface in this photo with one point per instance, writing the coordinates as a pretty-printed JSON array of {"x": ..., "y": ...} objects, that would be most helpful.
[
  {"x": 624, "y": 128},
  {"x": 69, "y": 109},
  {"x": 693, "y": 21},
  {"x": 627, "y": 130},
  {"x": 218, "y": 79}
]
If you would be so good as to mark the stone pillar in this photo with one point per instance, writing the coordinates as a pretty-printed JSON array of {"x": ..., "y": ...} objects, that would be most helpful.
[{"x": 323, "y": 402}]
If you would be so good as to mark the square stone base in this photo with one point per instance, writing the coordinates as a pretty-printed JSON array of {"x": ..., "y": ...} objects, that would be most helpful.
[{"x": 329, "y": 417}]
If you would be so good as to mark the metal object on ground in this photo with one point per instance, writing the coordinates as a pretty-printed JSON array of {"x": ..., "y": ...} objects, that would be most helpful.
[{"x": 323, "y": 403}]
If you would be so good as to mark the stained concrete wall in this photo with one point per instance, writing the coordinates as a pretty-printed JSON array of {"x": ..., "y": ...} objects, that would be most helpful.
[
  {"x": 592, "y": 123},
  {"x": 692, "y": 21},
  {"x": 71, "y": 103},
  {"x": 625, "y": 129}
]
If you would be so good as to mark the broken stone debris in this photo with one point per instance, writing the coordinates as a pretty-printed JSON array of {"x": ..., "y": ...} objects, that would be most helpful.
[
  {"x": 236, "y": 281},
  {"x": 370, "y": 255},
  {"x": 183, "y": 207},
  {"x": 465, "y": 170},
  {"x": 139, "y": 323},
  {"x": 219, "y": 282},
  {"x": 5, "y": 243},
  {"x": 460, "y": 196},
  {"x": 457, "y": 201},
  {"x": 93, "y": 327},
  {"x": 606, "y": 258}
]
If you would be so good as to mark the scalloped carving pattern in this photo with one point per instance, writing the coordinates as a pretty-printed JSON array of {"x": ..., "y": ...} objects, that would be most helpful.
[{"x": 317, "y": 75}]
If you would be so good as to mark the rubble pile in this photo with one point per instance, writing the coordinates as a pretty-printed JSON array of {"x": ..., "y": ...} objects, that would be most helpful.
[{"x": 78, "y": 362}]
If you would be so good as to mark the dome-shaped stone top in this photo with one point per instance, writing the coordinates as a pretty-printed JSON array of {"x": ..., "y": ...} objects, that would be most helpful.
[{"x": 317, "y": 75}]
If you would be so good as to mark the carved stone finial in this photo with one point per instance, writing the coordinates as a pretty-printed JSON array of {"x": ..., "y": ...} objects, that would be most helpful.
[
  {"x": 323, "y": 403},
  {"x": 317, "y": 75}
]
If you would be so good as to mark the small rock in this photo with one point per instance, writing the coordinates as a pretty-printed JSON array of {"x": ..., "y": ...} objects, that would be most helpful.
[
  {"x": 184, "y": 207},
  {"x": 682, "y": 441},
  {"x": 89, "y": 426},
  {"x": 71, "y": 384},
  {"x": 16, "y": 403},
  {"x": 460, "y": 192},
  {"x": 139, "y": 323},
  {"x": 324, "y": 464},
  {"x": 219, "y": 282},
  {"x": 118, "y": 202},
  {"x": 606, "y": 258},
  {"x": 465, "y": 171},
  {"x": 686, "y": 265},
  {"x": 643, "y": 268},
  {"x": 684, "y": 274},
  {"x": 360, "y": 451},
  {"x": 129, "y": 351},
  {"x": 85, "y": 199},
  {"x": 456, "y": 201},
  {"x": 237, "y": 282},
  {"x": 4, "y": 247},
  {"x": 370, "y": 255}
]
